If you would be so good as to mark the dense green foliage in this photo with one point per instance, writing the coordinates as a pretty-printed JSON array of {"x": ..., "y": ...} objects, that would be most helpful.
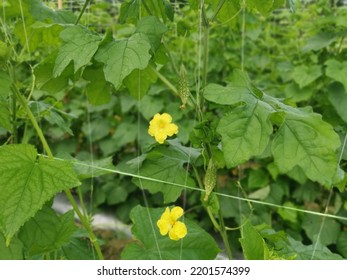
[{"x": 258, "y": 90}]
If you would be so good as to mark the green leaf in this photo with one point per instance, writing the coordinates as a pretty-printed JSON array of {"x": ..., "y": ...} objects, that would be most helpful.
[
  {"x": 257, "y": 178},
  {"x": 319, "y": 41},
  {"x": 253, "y": 244},
  {"x": 305, "y": 75},
  {"x": 27, "y": 181},
  {"x": 165, "y": 164},
  {"x": 328, "y": 234},
  {"x": 245, "y": 132},
  {"x": 153, "y": 28},
  {"x": 79, "y": 46},
  {"x": 226, "y": 95},
  {"x": 305, "y": 140},
  {"x": 46, "y": 232},
  {"x": 196, "y": 245},
  {"x": 126, "y": 132},
  {"x": 337, "y": 71},
  {"x": 5, "y": 115},
  {"x": 338, "y": 98},
  {"x": 263, "y": 6},
  {"x": 227, "y": 13},
  {"x": 90, "y": 169},
  {"x": 98, "y": 89},
  {"x": 5, "y": 85},
  {"x": 121, "y": 57},
  {"x": 12, "y": 252},
  {"x": 308, "y": 252},
  {"x": 341, "y": 244},
  {"x": 139, "y": 81},
  {"x": 44, "y": 75}
]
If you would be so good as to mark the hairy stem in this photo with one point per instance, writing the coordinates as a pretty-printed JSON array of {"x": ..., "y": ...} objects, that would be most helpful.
[
  {"x": 46, "y": 147},
  {"x": 82, "y": 11}
]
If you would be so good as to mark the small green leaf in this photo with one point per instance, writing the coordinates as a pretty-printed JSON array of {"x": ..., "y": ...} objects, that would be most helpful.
[
  {"x": 139, "y": 81},
  {"x": 79, "y": 46},
  {"x": 98, "y": 89},
  {"x": 27, "y": 181},
  {"x": 319, "y": 41},
  {"x": 342, "y": 244},
  {"x": 337, "y": 71},
  {"x": 153, "y": 28},
  {"x": 253, "y": 244},
  {"x": 338, "y": 98},
  {"x": 226, "y": 95},
  {"x": 121, "y": 57},
  {"x": 305, "y": 75},
  {"x": 12, "y": 252},
  {"x": 328, "y": 234},
  {"x": 196, "y": 245},
  {"x": 5, "y": 85},
  {"x": 165, "y": 164},
  {"x": 46, "y": 232}
]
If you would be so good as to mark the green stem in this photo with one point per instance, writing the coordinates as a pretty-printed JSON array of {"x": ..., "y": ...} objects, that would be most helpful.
[
  {"x": 165, "y": 81},
  {"x": 14, "y": 118},
  {"x": 208, "y": 209},
  {"x": 84, "y": 219},
  {"x": 224, "y": 235},
  {"x": 82, "y": 11},
  {"x": 219, "y": 7}
]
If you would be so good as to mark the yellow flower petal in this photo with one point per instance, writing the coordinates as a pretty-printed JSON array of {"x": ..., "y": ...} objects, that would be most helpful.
[
  {"x": 171, "y": 129},
  {"x": 178, "y": 231},
  {"x": 176, "y": 213},
  {"x": 165, "y": 222},
  {"x": 160, "y": 137}
]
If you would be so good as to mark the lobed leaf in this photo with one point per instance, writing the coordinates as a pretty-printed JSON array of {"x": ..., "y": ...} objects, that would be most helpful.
[
  {"x": 121, "y": 57},
  {"x": 79, "y": 46},
  {"x": 27, "y": 181}
]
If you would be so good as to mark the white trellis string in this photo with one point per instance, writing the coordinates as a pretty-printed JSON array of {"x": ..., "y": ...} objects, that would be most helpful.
[{"x": 200, "y": 190}]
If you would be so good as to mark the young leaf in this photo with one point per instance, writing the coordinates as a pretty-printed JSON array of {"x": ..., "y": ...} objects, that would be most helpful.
[
  {"x": 27, "y": 181},
  {"x": 253, "y": 244},
  {"x": 46, "y": 232},
  {"x": 79, "y": 46},
  {"x": 123, "y": 56},
  {"x": 196, "y": 245}
]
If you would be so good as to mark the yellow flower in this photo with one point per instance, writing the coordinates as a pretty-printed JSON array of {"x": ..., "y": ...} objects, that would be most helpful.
[
  {"x": 168, "y": 223},
  {"x": 160, "y": 127}
]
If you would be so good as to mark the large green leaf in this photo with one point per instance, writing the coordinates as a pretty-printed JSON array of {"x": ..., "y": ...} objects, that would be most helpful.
[
  {"x": 245, "y": 132},
  {"x": 121, "y": 57},
  {"x": 337, "y": 71},
  {"x": 305, "y": 140},
  {"x": 79, "y": 46},
  {"x": 46, "y": 232},
  {"x": 27, "y": 181},
  {"x": 165, "y": 164},
  {"x": 196, "y": 245}
]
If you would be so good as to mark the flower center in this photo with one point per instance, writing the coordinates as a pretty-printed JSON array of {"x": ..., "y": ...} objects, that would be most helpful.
[{"x": 161, "y": 125}]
